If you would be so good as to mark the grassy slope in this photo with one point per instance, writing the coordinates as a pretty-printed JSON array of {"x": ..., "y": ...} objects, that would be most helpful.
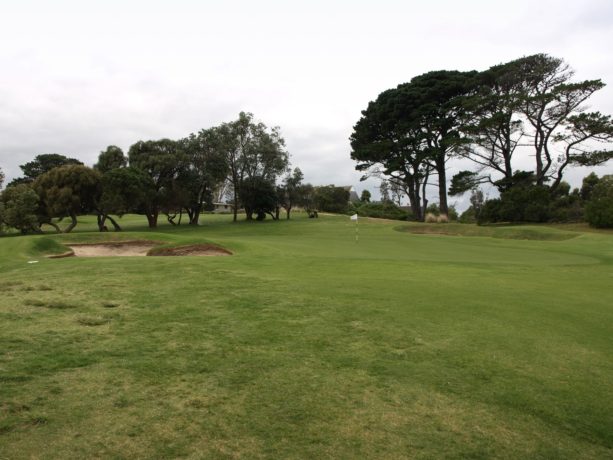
[{"x": 305, "y": 344}]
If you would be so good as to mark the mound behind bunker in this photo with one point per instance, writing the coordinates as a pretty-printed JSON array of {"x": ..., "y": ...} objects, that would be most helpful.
[{"x": 143, "y": 248}]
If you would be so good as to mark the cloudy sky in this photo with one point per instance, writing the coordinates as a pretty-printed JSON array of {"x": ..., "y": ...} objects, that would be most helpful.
[{"x": 77, "y": 76}]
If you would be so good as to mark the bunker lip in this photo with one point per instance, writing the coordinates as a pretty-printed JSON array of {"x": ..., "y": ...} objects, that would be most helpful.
[
  {"x": 139, "y": 248},
  {"x": 191, "y": 250}
]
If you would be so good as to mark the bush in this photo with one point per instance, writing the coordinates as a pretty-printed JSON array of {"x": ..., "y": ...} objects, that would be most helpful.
[
  {"x": 430, "y": 218},
  {"x": 385, "y": 210},
  {"x": 599, "y": 210},
  {"x": 20, "y": 206},
  {"x": 469, "y": 216}
]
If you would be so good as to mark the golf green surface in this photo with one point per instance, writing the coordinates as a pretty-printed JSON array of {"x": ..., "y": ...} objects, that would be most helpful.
[{"x": 417, "y": 341}]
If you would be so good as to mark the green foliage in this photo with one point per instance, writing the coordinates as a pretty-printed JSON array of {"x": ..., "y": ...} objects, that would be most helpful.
[
  {"x": 68, "y": 191},
  {"x": 259, "y": 196},
  {"x": 20, "y": 207},
  {"x": 469, "y": 216},
  {"x": 330, "y": 198},
  {"x": 599, "y": 210},
  {"x": 251, "y": 150},
  {"x": 365, "y": 196},
  {"x": 162, "y": 161},
  {"x": 409, "y": 131},
  {"x": 111, "y": 158},
  {"x": 588, "y": 184},
  {"x": 292, "y": 192},
  {"x": 382, "y": 210},
  {"x": 1, "y": 178},
  {"x": 464, "y": 181},
  {"x": 45, "y": 163},
  {"x": 124, "y": 190},
  {"x": 206, "y": 168},
  {"x": 520, "y": 203}
]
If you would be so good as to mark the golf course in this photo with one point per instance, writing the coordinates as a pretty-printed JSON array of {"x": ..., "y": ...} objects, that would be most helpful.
[{"x": 415, "y": 341}]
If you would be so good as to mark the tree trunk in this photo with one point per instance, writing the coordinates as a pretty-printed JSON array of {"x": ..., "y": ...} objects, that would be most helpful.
[
  {"x": 235, "y": 210},
  {"x": 194, "y": 215},
  {"x": 101, "y": 218},
  {"x": 442, "y": 186},
  {"x": 73, "y": 223},
  {"x": 287, "y": 211},
  {"x": 115, "y": 224},
  {"x": 152, "y": 219}
]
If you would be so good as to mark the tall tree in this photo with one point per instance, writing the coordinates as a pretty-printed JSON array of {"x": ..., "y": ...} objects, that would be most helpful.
[
  {"x": 111, "y": 158},
  {"x": 162, "y": 161},
  {"x": 206, "y": 168},
  {"x": 532, "y": 103},
  {"x": 492, "y": 126},
  {"x": 1, "y": 178},
  {"x": 251, "y": 150},
  {"x": 385, "y": 143},
  {"x": 434, "y": 105},
  {"x": 124, "y": 190},
  {"x": 552, "y": 105},
  {"x": 290, "y": 191}
]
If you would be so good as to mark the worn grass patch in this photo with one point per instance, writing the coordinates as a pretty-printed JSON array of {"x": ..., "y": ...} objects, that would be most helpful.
[
  {"x": 93, "y": 321},
  {"x": 52, "y": 304}
]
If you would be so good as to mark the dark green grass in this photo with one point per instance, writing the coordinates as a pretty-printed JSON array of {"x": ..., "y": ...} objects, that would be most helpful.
[{"x": 306, "y": 344}]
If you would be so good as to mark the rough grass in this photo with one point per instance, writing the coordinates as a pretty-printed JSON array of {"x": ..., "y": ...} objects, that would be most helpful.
[{"x": 306, "y": 344}]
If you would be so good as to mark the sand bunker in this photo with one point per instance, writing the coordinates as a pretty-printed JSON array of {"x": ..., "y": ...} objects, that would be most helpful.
[
  {"x": 142, "y": 248},
  {"x": 120, "y": 248}
]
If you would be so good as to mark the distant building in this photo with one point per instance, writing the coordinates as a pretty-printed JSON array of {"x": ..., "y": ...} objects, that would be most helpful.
[{"x": 223, "y": 208}]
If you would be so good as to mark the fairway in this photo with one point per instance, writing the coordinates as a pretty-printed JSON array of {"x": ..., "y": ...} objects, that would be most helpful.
[{"x": 307, "y": 344}]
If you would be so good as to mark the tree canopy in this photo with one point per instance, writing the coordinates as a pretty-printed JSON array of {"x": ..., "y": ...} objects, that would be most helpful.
[{"x": 529, "y": 107}]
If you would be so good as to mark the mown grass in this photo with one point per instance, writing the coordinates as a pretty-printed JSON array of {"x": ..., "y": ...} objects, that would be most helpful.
[{"x": 306, "y": 344}]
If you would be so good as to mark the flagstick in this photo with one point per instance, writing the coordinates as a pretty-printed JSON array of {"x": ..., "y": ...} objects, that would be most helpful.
[{"x": 356, "y": 231}]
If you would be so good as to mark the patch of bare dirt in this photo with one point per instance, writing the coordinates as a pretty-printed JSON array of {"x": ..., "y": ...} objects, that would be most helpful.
[{"x": 192, "y": 250}]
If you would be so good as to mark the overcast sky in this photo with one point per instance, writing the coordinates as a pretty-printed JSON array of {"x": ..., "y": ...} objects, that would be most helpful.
[{"x": 77, "y": 76}]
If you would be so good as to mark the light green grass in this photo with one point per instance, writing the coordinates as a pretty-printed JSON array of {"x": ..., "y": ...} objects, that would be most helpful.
[{"x": 306, "y": 344}]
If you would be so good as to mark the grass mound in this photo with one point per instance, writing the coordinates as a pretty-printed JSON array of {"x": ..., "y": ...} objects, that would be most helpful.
[
  {"x": 513, "y": 232},
  {"x": 47, "y": 245}
]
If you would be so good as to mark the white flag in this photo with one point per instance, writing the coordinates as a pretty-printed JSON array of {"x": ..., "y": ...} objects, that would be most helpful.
[{"x": 354, "y": 217}]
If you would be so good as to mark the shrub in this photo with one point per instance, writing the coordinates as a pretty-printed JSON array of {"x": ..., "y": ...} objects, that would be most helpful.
[
  {"x": 599, "y": 210},
  {"x": 469, "y": 216},
  {"x": 431, "y": 218},
  {"x": 20, "y": 207},
  {"x": 385, "y": 210}
]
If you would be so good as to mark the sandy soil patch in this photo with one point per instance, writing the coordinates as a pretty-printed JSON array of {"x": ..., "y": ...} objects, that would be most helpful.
[
  {"x": 115, "y": 249},
  {"x": 141, "y": 248}
]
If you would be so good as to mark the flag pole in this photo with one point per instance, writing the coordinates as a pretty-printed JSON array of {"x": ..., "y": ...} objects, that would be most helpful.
[{"x": 355, "y": 217}]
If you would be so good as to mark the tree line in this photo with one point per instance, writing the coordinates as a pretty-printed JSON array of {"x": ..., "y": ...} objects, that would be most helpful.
[
  {"x": 242, "y": 160},
  {"x": 529, "y": 109}
]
